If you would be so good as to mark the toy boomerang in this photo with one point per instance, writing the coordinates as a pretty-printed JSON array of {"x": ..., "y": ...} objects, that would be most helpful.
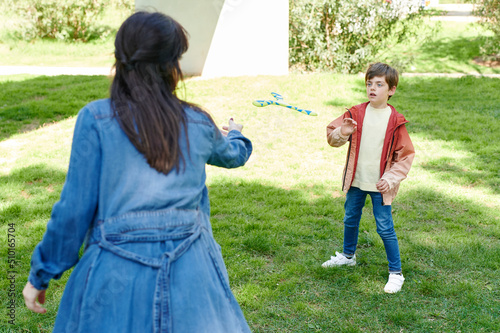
[{"x": 279, "y": 101}]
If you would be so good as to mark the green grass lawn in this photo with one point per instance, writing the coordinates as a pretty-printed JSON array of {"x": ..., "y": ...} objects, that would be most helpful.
[
  {"x": 280, "y": 216},
  {"x": 55, "y": 53},
  {"x": 451, "y": 50}
]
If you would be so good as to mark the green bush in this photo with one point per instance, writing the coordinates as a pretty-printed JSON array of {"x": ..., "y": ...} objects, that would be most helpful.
[
  {"x": 71, "y": 20},
  {"x": 344, "y": 36},
  {"x": 489, "y": 11}
]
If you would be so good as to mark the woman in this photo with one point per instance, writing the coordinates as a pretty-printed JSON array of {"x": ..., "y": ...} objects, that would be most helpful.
[{"x": 135, "y": 194}]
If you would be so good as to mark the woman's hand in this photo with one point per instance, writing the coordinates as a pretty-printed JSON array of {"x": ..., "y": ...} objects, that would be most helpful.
[
  {"x": 31, "y": 294},
  {"x": 232, "y": 126}
]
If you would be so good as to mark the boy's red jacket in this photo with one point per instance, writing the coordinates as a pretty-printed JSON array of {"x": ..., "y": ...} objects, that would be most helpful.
[{"x": 397, "y": 152}]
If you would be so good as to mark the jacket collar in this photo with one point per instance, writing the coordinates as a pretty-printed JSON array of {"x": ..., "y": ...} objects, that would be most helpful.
[{"x": 396, "y": 119}]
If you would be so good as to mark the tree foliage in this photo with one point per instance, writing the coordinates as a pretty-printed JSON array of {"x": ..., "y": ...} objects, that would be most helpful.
[
  {"x": 344, "y": 36},
  {"x": 71, "y": 20},
  {"x": 489, "y": 12}
]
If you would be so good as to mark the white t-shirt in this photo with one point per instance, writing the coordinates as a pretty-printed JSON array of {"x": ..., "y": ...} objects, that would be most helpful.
[{"x": 370, "y": 149}]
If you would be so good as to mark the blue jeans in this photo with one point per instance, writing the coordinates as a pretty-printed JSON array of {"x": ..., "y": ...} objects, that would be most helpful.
[{"x": 355, "y": 201}]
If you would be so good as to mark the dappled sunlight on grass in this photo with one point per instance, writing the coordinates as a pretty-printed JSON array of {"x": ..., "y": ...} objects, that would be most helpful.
[
  {"x": 456, "y": 124},
  {"x": 280, "y": 216},
  {"x": 451, "y": 50}
]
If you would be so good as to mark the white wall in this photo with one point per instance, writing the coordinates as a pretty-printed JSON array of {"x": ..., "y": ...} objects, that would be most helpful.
[{"x": 230, "y": 37}]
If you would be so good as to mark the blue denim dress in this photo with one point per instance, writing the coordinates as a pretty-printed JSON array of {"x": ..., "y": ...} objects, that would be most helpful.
[{"x": 150, "y": 263}]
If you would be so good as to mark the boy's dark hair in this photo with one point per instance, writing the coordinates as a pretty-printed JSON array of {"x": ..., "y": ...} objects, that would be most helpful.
[{"x": 380, "y": 69}]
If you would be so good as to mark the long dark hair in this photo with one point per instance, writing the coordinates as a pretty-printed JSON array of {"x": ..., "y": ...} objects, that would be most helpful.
[{"x": 148, "y": 47}]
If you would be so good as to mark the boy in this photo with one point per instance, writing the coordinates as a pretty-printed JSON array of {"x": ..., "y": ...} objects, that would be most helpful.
[{"x": 379, "y": 158}]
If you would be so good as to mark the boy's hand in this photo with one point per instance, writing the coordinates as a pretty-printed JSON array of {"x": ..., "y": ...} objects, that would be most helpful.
[
  {"x": 348, "y": 126},
  {"x": 383, "y": 186}
]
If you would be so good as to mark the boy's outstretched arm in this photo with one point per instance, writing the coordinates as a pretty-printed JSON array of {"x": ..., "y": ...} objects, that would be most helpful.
[{"x": 339, "y": 130}]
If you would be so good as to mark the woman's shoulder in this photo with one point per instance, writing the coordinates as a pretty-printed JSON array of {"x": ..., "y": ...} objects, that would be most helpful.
[
  {"x": 198, "y": 116},
  {"x": 100, "y": 108}
]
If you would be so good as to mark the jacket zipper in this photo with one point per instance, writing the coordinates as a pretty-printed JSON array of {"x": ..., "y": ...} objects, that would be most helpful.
[
  {"x": 389, "y": 152},
  {"x": 348, "y": 156},
  {"x": 392, "y": 142}
]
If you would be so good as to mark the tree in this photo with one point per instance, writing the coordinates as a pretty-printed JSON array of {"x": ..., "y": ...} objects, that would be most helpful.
[
  {"x": 345, "y": 35},
  {"x": 489, "y": 13}
]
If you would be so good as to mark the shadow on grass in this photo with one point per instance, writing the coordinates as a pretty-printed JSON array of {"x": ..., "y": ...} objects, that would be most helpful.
[
  {"x": 29, "y": 194},
  {"x": 26, "y": 105},
  {"x": 465, "y": 114},
  {"x": 457, "y": 50},
  {"x": 262, "y": 219},
  {"x": 274, "y": 241},
  {"x": 256, "y": 217}
]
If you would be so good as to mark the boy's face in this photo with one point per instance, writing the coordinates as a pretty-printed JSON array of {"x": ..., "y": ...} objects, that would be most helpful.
[{"x": 378, "y": 91}]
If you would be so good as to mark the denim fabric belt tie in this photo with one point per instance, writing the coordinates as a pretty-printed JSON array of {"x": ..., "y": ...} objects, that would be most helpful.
[{"x": 162, "y": 317}]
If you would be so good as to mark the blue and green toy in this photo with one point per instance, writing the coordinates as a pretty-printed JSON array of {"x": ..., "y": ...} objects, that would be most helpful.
[{"x": 280, "y": 102}]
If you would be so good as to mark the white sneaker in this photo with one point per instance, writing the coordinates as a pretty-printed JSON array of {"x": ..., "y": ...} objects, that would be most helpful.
[
  {"x": 394, "y": 284},
  {"x": 339, "y": 260}
]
